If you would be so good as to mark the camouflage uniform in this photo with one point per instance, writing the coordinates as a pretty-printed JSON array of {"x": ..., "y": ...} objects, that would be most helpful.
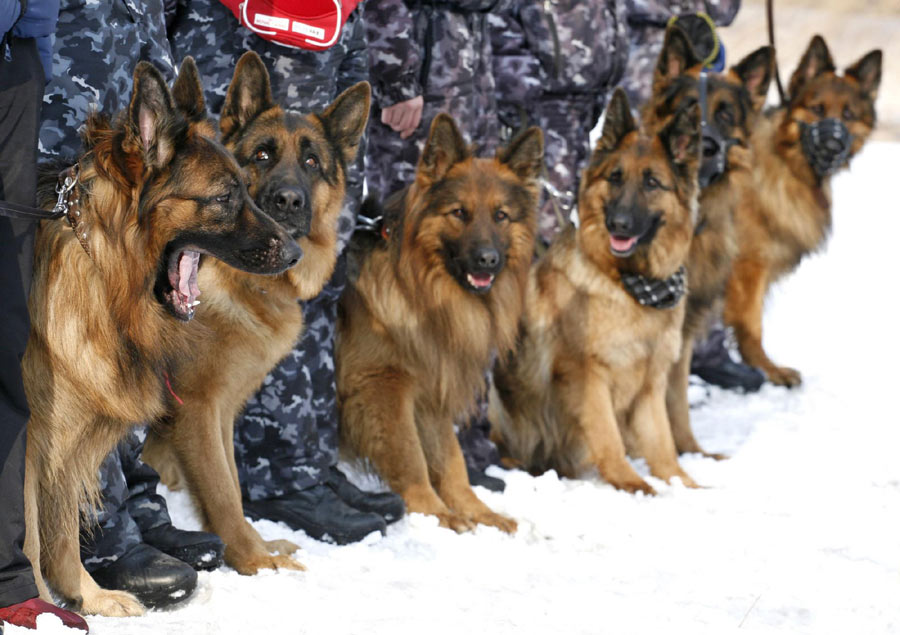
[
  {"x": 647, "y": 21},
  {"x": 130, "y": 504},
  {"x": 554, "y": 63},
  {"x": 97, "y": 44},
  {"x": 287, "y": 437},
  {"x": 441, "y": 51}
]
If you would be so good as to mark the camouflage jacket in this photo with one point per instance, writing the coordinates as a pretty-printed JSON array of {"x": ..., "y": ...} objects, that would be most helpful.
[
  {"x": 98, "y": 43},
  {"x": 428, "y": 48},
  {"x": 558, "y": 47},
  {"x": 656, "y": 13}
]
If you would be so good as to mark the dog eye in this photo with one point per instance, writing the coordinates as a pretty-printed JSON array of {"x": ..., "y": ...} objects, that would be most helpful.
[
  {"x": 725, "y": 116},
  {"x": 500, "y": 216},
  {"x": 848, "y": 115},
  {"x": 651, "y": 182},
  {"x": 818, "y": 110},
  {"x": 459, "y": 213},
  {"x": 615, "y": 177},
  {"x": 312, "y": 161},
  {"x": 224, "y": 198},
  {"x": 261, "y": 155}
]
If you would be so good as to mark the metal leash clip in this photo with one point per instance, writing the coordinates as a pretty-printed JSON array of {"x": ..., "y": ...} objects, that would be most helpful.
[{"x": 62, "y": 191}]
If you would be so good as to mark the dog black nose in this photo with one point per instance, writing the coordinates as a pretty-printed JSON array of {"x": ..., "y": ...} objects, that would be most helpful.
[
  {"x": 289, "y": 199},
  {"x": 487, "y": 258},
  {"x": 620, "y": 223},
  {"x": 292, "y": 253}
]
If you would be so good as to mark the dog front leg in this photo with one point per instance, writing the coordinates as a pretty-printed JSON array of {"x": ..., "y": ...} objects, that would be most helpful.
[
  {"x": 600, "y": 431},
  {"x": 678, "y": 407},
  {"x": 653, "y": 433},
  {"x": 203, "y": 441},
  {"x": 378, "y": 423},
  {"x": 32, "y": 545},
  {"x": 448, "y": 472},
  {"x": 744, "y": 299}
]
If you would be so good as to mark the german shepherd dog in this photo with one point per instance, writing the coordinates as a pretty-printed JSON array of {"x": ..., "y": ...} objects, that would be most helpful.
[
  {"x": 296, "y": 166},
  {"x": 430, "y": 306},
  {"x": 154, "y": 192},
  {"x": 734, "y": 100},
  {"x": 787, "y": 214},
  {"x": 589, "y": 376}
]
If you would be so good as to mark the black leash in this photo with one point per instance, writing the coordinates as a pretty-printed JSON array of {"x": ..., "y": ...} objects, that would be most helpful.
[
  {"x": 24, "y": 212},
  {"x": 771, "y": 22}
]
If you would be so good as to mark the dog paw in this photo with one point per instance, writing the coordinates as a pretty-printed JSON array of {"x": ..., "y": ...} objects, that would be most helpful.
[
  {"x": 501, "y": 522},
  {"x": 633, "y": 485},
  {"x": 718, "y": 456},
  {"x": 455, "y": 522},
  {"x": 252, "y": 564},
  {"x": 111, "y": 604},
  {"x": 285, "y": 547},
  {"x": 784, "y": 376}
]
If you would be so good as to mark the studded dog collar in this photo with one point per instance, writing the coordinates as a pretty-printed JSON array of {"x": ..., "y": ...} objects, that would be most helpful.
[{"x": 656, "y": 293}]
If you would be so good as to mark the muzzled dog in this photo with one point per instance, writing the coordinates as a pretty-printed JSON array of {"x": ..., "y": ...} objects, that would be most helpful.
[
  {"x": 731, "y": 103},
  {"x": 787, "y": 212},
  {"x": 296, "y": 166},
  {"x": 430, "y": 305},
  {"x": 154, "y": 190},
  {"x": 588, "y": 377}
]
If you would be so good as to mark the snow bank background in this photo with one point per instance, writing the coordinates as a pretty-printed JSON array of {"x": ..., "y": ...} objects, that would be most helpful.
[{"x": 798, "y": 532}]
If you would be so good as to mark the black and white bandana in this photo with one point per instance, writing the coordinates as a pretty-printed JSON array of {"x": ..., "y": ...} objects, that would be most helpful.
[{"x": 658, "y": 294}]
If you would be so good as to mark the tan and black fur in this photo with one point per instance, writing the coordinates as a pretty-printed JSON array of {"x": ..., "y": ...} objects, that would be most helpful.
[
  {"x": 106, "y": 326},
  {"x": 296, "y": 167},
  {"x": 787, "y": 212},
  {"x": 734, "y": 101},
  {"x": 588, "y": 377},
  {"x": 430, "y": 306}
]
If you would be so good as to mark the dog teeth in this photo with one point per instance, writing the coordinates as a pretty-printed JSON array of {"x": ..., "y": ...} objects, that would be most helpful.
[{"x": 195, "y": 303}]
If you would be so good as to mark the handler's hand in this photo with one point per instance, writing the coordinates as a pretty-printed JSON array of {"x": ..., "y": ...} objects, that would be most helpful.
[{"x": 405, "y": 116}]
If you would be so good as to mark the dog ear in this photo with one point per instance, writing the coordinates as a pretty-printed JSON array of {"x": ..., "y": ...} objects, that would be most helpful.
[
  {"x": 867, "y": 72},
  {"x": 815, "y": 61},
  {"x": 188, "y": 91},
  {"x": 755, "y": 72},
  {"x": 346, "y": 118},
  {"x": 681, "y": 137},
  {"x": 151, "y": 117},
  {"x": 677, "y": 55},
  {"x": 248, "y": 94},
  {"x": 444, "y": 148},
  {"x": 618, "y": 123},
  {"x": 525, "y": 154}
]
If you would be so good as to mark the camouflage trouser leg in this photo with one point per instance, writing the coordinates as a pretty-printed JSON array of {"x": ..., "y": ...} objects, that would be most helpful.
[
  {"x": 130, "y": 504},
  {"x": 646, "y": 44},
  {"x": 286, "y": 439},
  {"x": 566, "y": 122},
  {"x": 475, "y": 437}
]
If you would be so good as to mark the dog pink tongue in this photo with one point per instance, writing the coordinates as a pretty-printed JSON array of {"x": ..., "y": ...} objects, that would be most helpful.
[
  {"x": 481, "y": 279},
  {"x": 622, "y": 244},
  {"x": 188, "y": 265}
]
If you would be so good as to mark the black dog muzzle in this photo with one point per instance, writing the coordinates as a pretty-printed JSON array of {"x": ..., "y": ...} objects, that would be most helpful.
[
  {"x": 826, "y": 145},
  {"x": 713, "y": 146}
]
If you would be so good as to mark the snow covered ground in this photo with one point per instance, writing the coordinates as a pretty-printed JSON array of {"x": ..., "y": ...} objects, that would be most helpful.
[{"x": 798, "y": 532}]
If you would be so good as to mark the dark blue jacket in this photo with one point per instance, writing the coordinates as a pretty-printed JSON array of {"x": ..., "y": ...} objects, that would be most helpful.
[{"x": 38, "y": 22}]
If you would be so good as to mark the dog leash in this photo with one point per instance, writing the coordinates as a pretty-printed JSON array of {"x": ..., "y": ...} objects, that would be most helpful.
[
  {"x": 68, "y": 205},
  {"x": 771, "y": 23}
]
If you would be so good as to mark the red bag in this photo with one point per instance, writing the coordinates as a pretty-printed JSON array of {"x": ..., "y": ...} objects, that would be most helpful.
[{"x": 306, "y": 24}]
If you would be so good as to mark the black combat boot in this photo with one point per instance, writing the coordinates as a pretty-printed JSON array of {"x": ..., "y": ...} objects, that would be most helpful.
[
  {"x": 202, "y": 550},
  {"x": 386, "y": 504},
  {"x": 156, "y": 579},
  {"x": 712, "y": 363},
  {"x": 320, "y": 513}
]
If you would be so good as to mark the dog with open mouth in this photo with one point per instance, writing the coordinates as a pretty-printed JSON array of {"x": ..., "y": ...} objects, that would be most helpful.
[
  {"x": 427, "y": 306},
  {"x": 296, "y": 166},
  {"x": 152, "y": 197},
  {"x": 603, "y": 313}
]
